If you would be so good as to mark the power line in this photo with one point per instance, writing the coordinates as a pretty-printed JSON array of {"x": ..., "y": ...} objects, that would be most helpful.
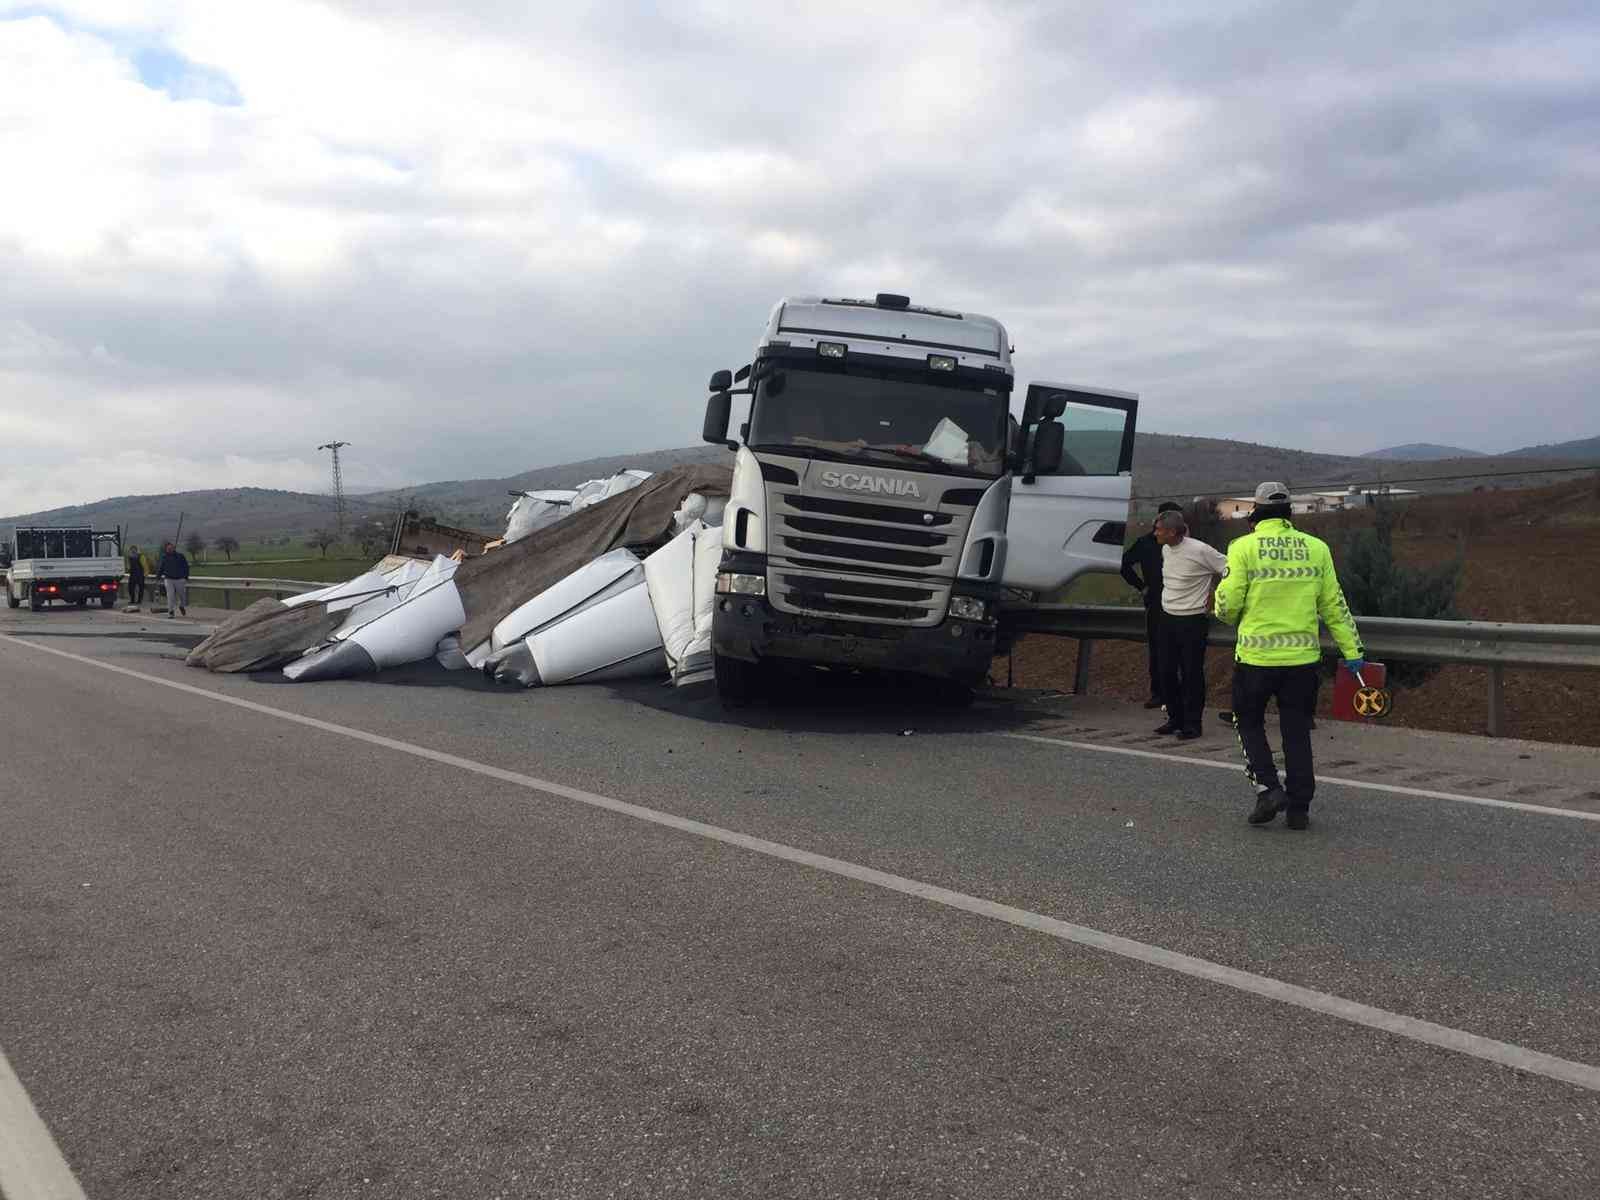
[{"x": 1349, "y": 483}]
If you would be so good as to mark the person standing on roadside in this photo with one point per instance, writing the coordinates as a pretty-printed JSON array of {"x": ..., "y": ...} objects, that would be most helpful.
[
  {"x": 1141, "y": 567},
  {"x": 1279, "y": 582},
  {"x": 174, "y": 571},
  {"x": 135, "y": 576},
  {"x": 1189, "y": 573}
]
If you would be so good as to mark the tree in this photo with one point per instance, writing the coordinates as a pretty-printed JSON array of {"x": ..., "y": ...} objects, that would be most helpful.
[
  {"x": 1375, "y": 585},
  {"x": 227, "y": 544},
  {"x": 195, "y": 545},
  {"x": 372, "y": 536},
  {"x": 321, "y": 540}
]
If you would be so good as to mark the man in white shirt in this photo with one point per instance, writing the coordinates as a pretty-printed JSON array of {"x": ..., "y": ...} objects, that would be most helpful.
[{"x": 1190, "y": 571}]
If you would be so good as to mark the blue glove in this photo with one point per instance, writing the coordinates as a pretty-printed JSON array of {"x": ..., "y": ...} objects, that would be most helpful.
[{"x": 1354, "y": 665}]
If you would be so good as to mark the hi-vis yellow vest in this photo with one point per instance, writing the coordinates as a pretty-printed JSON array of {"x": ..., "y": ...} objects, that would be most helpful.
[{"x": 1279, "y": 582}]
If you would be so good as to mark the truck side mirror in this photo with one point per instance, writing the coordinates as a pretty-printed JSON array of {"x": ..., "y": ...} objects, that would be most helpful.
[
  {"x": 721, "y": 381},
  {"x": 1049, "y": 443},
  {"x": 742, "y": 374},
  {"x": 718, "y": 409},
  {"x": 1044, "y": 403}
]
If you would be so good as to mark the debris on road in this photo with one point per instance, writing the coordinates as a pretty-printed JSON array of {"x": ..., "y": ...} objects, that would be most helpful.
[{"x": 615, "y": 578}]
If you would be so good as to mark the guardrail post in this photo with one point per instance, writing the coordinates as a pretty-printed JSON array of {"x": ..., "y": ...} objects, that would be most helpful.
[
  {"x": 1080, "y": 677},
  {"x": 1497, "y": 700}
]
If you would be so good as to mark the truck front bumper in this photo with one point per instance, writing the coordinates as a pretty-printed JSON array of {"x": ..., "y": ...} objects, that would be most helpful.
[{"x": 749, "y": 628}]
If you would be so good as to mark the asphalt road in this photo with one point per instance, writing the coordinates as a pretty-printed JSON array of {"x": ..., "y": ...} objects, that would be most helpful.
[{"x": 241, "y": 956}]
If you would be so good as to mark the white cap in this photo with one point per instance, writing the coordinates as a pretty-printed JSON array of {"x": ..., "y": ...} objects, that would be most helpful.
[{"x": 1272, "y": 493}]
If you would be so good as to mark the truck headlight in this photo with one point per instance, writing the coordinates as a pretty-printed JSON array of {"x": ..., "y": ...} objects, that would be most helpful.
[
  {"x": 968, "y": 608},
  {"x": 734, "y": 583}
]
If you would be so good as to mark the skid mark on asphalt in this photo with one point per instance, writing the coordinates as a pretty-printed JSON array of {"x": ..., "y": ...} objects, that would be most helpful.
[
  {"x": 1231, "y": 763},
  {"x": 1504, "y": 1054}
]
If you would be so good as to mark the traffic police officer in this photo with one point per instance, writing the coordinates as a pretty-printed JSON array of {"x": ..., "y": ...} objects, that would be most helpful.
[{"x": 1279, "y": 582}]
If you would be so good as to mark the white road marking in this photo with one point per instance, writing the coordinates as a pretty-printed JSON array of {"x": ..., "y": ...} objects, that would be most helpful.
[
  {"x": 1238, "y": 767},
  {"x": 1504, "y": 1054},
  {"x": 31, "y": 1165}
]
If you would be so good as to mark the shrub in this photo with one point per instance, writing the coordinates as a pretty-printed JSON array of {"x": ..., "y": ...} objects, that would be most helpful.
[{"x": 1375, "y": 585}]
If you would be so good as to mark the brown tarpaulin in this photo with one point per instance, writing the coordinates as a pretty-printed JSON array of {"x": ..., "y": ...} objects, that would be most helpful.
[
  {"x": 265, "y": 635},
  {"x": 493, "y": 584}
]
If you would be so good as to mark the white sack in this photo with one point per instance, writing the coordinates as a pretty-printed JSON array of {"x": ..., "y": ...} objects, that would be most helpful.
[
  {"x": 613, "y": 639},
  {"x": 669, "y": 576},
  {"x": 409, "y": 632},
  {"x": 536, "y": 510},
  {"x": 589, "y": 584},
  {"x": 707, "y": 561}
]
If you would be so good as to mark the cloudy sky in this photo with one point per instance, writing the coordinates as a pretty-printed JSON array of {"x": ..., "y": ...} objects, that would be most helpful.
[{"x": 474, "y": 236}]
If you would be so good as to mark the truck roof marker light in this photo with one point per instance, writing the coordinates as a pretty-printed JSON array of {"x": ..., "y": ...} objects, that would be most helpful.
[
  {"x": 830, "y": 349},
  {"x": 941, "y": 362}
]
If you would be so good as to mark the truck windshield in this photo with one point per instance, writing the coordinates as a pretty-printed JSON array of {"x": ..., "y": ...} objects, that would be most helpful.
[{"x": 882, "y": 416}]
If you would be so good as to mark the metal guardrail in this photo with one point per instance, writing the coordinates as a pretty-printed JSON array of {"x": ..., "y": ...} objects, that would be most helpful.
[
  {"x": 278, "y": 589},
  {"x": 1492, "y": 644}
]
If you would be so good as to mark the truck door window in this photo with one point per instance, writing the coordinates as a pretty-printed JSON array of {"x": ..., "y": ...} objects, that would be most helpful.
[{"x": 1093, "y": 440}]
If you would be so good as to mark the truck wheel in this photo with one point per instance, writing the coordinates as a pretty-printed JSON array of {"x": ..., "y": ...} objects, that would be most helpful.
[
  {"x": 11, "y": 600},
  {"x": 737, "y": 680},
  {"x": 950, "y": 694},
  {"x": 34, "y": 603},
  {"x": 108, "y": 601}
]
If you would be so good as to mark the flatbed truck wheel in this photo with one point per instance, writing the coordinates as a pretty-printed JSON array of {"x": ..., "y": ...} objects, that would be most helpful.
[
  {"x": 108, "y": 601},
  {"x": 34, "y": 603},
  {"x": 11, "y": 599}
]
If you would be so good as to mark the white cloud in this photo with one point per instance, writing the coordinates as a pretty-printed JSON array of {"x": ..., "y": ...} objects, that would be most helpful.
[{"x": 473, "y": 238}]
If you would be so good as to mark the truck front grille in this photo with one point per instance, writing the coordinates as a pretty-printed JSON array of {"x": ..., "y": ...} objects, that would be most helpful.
[{"x": 871, "y": 562}]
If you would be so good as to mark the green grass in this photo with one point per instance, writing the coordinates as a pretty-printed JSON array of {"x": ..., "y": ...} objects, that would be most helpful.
[
  {"x": 318, "y": 569},
  {"x": 1096, "y": 588}
]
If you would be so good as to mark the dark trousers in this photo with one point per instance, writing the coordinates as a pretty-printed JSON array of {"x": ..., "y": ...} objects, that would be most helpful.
[
  {"x": 1296, "y": 692},
  {"x": 1152, "y": 637},
  {"x": 1183, "y": 668},
  {"x": 135, "y": 589}
]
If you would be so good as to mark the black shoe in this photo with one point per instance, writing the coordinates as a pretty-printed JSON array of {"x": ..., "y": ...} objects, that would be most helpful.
[
  {"x": 1296, "y": 818},
  {"x": 1267, "y": 805},
  {"x": 1169, "y": 727},
  {"x": 1188, "y": 735},
  {"x": 1153, "y": 703}
]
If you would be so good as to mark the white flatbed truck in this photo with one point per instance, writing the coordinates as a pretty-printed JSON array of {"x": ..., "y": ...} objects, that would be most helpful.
[{"x": 75, "y": 564}]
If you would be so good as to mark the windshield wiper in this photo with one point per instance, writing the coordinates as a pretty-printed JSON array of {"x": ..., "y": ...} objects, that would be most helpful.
[{"x": 913, "y": 455}]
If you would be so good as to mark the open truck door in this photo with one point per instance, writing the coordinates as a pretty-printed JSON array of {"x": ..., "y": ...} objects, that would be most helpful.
[{"x": 1072, "y": 517}]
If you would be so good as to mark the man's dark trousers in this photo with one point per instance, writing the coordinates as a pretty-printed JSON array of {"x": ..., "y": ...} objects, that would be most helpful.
[
  {"x": 1296, "y": 691},
  {"x": 1152, "y": 637},
  {"x": 1183, "y": 668}
]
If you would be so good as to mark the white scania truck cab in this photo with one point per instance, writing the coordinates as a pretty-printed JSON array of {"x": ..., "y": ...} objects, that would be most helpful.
[{"x": 887, "y": 508}]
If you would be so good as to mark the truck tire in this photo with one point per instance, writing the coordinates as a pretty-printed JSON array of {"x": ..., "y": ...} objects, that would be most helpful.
[
  {"x": 948, "y": 693},
  {"x": 11, "y": 599},
  {"x": 34, "y": 603},
  {"x": 108, "y": 601},
  {"x": 737, "y": 681}
]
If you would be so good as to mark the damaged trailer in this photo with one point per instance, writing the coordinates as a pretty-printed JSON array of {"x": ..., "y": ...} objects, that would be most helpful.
[{"x": 533, "y": 595}]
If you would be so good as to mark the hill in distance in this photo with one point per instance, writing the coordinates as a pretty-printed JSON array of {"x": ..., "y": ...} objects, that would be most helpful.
[
  {"x": 1422, "y": 452},
  {"x": 1165, "y": 466},
  {"x": 1581, "y": 450}
]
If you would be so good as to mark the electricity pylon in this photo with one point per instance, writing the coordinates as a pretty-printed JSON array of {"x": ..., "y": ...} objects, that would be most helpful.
[{"x": 338, "y": 481}]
